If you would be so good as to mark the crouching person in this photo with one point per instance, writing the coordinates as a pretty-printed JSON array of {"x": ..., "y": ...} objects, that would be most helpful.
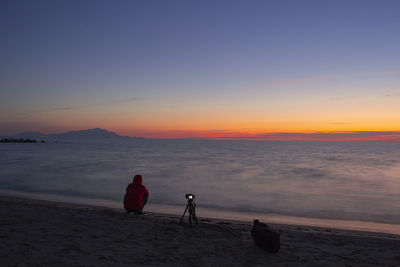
[{"x": 136, "y": 196}]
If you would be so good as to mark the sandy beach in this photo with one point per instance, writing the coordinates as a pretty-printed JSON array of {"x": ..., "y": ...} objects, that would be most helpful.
[{"x": 42, "y": 233}]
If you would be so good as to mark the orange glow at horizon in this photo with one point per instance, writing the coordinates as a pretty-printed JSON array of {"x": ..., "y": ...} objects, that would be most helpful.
[
  {"x": 257, "y": 115},
  {"x": 252, "y": 131},
  {"x": 343, "y": 136}
]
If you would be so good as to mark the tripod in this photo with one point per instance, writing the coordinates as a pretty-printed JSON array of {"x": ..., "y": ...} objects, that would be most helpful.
[{"x": 191, "y": 206}]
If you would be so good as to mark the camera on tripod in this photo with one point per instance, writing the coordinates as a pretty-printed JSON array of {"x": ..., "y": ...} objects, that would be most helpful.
[
  {"x": 189, "y": 197},
  {"x": 191, "y": 208}
]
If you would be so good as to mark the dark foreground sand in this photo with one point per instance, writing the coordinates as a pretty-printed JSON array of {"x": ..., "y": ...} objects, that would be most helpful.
[{"x": 40, "y": 233}]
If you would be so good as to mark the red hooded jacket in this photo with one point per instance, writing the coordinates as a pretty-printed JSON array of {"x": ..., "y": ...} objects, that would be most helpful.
[{"x": 134, "y": 194}]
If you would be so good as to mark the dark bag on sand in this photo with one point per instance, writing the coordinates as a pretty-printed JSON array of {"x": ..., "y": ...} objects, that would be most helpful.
[{"x": 265, "y": 237}]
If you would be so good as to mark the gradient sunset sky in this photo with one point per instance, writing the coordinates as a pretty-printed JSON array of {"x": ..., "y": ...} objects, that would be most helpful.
[{"x": 267, "y": 70}]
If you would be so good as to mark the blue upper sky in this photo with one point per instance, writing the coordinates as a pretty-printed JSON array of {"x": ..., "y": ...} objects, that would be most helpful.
[{"x": 61, "y": 55}]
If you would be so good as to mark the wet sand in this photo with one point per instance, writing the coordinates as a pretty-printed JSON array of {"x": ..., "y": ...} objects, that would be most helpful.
[{"x": 43, "y": 233}]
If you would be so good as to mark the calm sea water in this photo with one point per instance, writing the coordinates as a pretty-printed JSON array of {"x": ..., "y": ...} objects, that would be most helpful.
[{"x": 328, "y": 180}]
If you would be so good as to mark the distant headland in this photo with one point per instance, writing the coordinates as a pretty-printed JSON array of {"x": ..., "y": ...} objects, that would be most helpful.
[
  {"x": 90, "y": 135},
  {"x": 20, "y": 140}
]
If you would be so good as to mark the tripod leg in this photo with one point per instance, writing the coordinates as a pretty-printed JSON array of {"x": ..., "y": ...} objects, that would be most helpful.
[
  {"x": 190, "y": 214},
  {"x": 194, "y": 215},
  {"x": 183, "y": 214}
]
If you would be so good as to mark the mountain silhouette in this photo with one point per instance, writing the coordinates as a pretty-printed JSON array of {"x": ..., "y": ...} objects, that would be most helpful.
[{"x": 90, "y": 135}]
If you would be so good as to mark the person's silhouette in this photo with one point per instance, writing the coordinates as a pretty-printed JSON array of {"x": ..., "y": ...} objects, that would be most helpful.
[{"x": 136, "y": 196}]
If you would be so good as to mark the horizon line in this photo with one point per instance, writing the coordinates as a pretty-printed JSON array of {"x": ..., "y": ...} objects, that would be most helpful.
[{"x": 228, "y": 135}]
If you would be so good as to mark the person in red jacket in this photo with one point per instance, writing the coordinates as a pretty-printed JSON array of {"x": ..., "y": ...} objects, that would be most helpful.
[{"x": 136, "y": 196}]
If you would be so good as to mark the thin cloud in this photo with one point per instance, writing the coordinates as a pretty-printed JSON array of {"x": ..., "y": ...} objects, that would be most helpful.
[
  {"x": 376, "y": 73},
  {"x": 392, "y": 95},
  {"x": 282, "y": 83},
  {"x": 340, "y": 98},
  {"x": 222, "y": 132},
  {"x": 391, "y": 136},
  {"x": 54, "y": 109},
  {"x": 120, "y": 101},
  {"x": 69, "y": 108},
  {"x": 288, "y": 82}
]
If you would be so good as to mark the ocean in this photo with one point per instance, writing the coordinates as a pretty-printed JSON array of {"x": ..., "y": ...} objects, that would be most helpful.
[{"x": 352, "y": 185}]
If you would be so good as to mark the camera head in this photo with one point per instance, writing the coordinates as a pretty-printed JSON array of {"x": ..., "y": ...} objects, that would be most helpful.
[{"x": 189, "y": 197}]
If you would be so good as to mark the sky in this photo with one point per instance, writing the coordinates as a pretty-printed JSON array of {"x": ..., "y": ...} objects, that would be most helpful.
[{"x": 258, "y": 70}]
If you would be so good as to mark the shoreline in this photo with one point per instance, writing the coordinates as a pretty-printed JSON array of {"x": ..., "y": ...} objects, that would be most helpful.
[
  {"x": 39, "y": 232},
  {"x": 339, "y": 224}
]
